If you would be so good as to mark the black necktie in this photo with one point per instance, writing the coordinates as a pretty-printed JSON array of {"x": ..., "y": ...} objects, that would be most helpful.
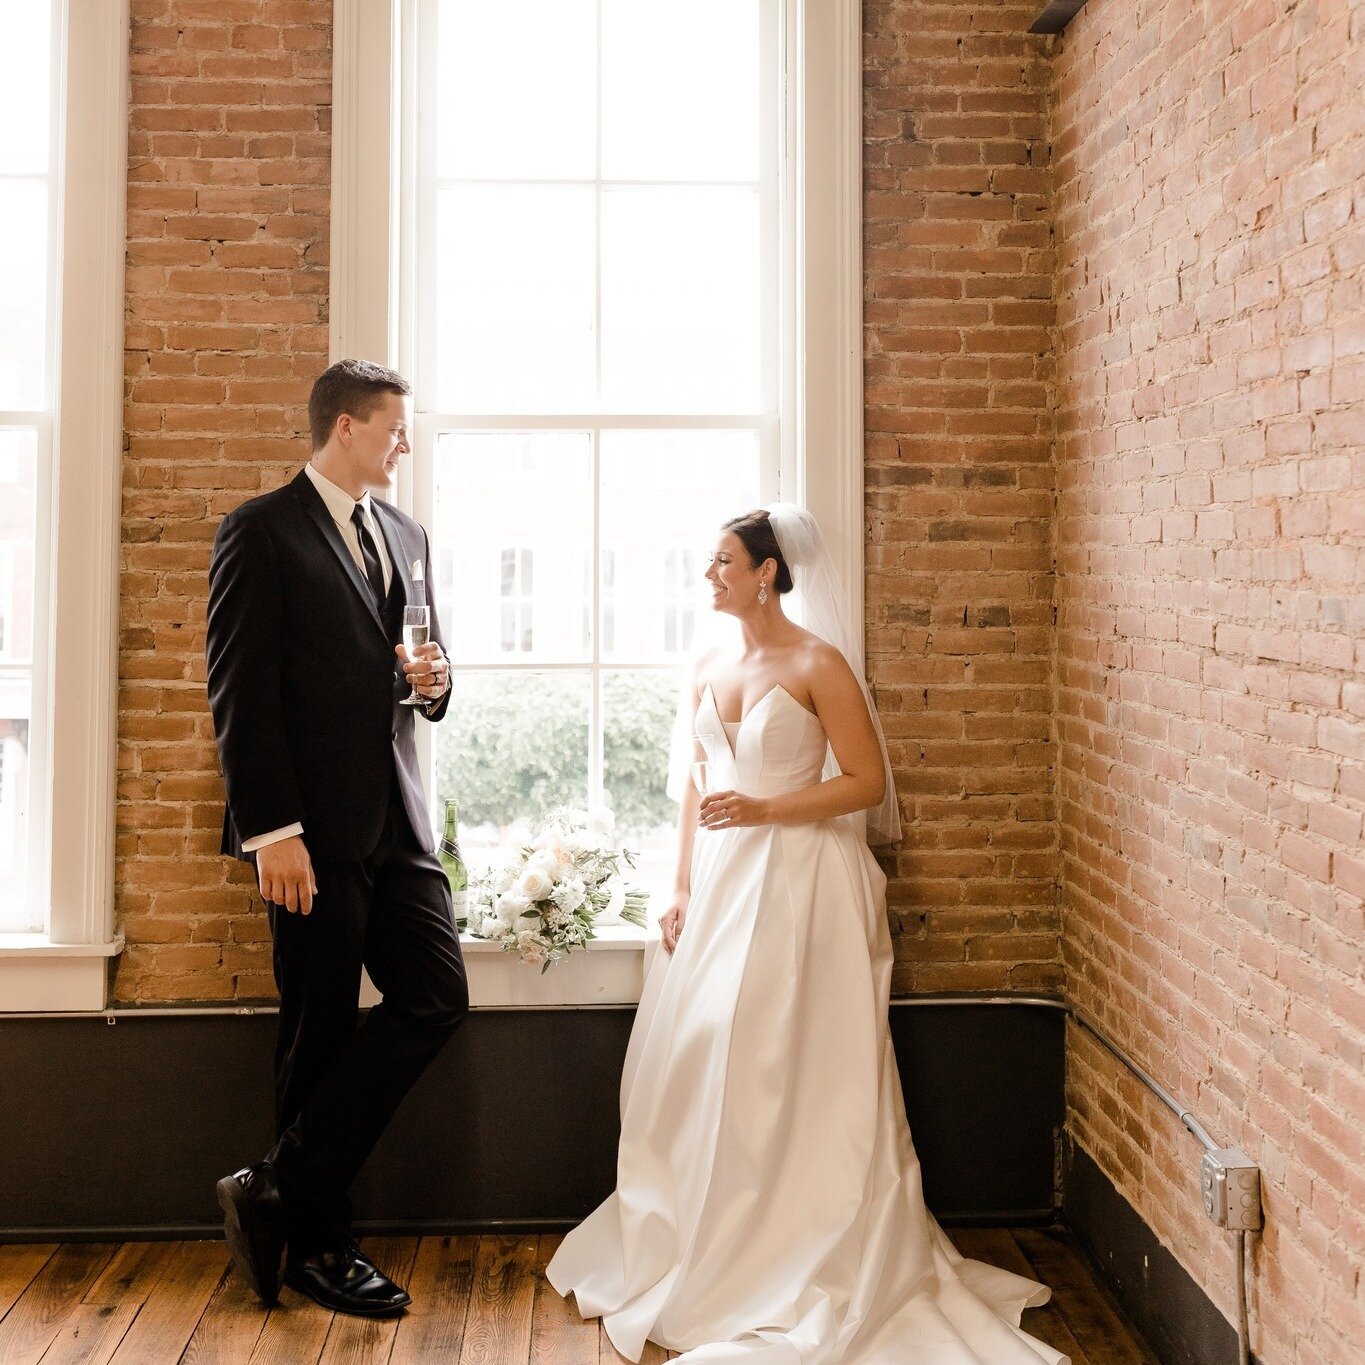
[{"x": 373, "y": 569}]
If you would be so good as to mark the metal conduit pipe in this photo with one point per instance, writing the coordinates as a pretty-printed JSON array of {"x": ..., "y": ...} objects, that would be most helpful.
[{"x": 1079, "y": 1016}]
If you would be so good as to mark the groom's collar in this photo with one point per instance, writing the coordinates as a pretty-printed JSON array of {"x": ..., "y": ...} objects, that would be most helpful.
[{"x": 338, "y": 501}]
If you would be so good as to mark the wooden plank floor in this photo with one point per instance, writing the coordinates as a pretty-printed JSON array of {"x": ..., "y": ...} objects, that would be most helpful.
[{"x": 476, "y": 1301}]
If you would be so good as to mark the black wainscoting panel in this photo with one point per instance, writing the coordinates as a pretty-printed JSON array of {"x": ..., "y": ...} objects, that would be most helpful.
[
  {"x": 1179, "y": 1321},
  {"x": 122, "y": 1129},
  {"x": 516, "y": 1122},
  {"x": 985, "y": 1096}
]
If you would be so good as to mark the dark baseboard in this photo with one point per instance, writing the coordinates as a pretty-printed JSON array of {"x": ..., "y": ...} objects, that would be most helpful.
[
  {"x": 1179, "y": 1321},
  {"x": 117, "y": 1132}
]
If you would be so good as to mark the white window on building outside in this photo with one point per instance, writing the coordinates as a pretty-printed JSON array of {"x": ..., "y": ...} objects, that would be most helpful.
[
  {"x": 678, "y": 598},
  {"x": 517, "y": 591}
]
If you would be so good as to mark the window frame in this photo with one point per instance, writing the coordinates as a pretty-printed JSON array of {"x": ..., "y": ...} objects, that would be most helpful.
[
  {"x": 73, "y": 747},
  {"x": 819, "y": 447}
]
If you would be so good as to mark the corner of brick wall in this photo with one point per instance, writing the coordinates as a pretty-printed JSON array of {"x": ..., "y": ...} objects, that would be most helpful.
[{"x": 958, "y": 270}]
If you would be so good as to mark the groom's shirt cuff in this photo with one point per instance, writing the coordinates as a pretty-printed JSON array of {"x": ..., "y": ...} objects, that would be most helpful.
[{"x": 261, "y": 840}]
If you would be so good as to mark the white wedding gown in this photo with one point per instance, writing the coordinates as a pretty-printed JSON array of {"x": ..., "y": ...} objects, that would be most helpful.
[{"x": 768, "y": 1208}]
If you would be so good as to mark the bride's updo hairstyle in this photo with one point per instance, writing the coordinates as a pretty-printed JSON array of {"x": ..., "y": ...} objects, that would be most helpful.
[{"x": 755, "y": 533}]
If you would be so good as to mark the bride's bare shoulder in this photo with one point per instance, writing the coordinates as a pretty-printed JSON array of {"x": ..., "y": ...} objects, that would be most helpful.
[
  {"x": 815, "y": 654},
  {"x": 820, "y": 662}
]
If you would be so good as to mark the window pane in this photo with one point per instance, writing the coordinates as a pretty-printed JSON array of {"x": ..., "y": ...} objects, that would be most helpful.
[
  {"x": 515, "y": 298},
  {"x": 517, "y": 90},
  {"x": 514, "y": 512},
  {"x": 23, "y": 292},
  {"x": 26, "y": 92},
  {"x": 16, "y": 916},
  {"x": 668, "y": 488},
  {"x": 680, "y": 90},
  {"x": 680, "y": 300},
  {"x": 512, "y": 748},
  {"x": 638, "y": 710},
  {"x": 18, "y": 514}
]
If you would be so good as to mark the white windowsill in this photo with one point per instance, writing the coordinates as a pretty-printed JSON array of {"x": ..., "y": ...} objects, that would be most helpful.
[
  {"x": 610, "y": 970},
  {"x": 37, "y": 975},
  {"x": 39, "y": 945}
]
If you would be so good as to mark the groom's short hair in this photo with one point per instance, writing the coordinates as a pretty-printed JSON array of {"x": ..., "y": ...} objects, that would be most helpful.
[{"x": 355, "y": 387}]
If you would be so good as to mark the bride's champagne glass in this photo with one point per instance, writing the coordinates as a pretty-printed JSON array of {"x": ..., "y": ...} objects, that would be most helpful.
[
  {"x": 701, "y": 768},
  {"x": 416, "y": 631}
]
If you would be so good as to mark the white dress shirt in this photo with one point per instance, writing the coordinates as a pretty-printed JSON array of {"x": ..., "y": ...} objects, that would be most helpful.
[{"x": 342, "y": 506}]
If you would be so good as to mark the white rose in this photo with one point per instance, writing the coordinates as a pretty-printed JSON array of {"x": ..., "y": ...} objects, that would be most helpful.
[
  {"x": 611, "y": 912},
  {"x": 535, "y": 884},
  {"x": 542, "y": 861},
  {"x": 510, "y": 907},
  {"x": 491, "y": 927},
  {"x": 602, "y": 821}
]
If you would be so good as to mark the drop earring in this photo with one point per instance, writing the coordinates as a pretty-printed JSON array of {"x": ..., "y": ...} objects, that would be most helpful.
[{"x": 762, "y": 594}]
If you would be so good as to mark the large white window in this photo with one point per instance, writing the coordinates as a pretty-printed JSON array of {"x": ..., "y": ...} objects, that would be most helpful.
[
  {"x": 596, "y": 258},
  {"x": 620, "y": 263},
  {"x": 28, "y": 212},
  {"x": 62, "y": 175}
]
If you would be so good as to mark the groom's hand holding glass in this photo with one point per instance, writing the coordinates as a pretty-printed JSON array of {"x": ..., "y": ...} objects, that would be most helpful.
[{"x": 426, "y": 668}]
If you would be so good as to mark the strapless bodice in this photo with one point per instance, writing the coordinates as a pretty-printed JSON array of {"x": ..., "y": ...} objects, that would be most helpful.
[{"x": 777, "y": 747}]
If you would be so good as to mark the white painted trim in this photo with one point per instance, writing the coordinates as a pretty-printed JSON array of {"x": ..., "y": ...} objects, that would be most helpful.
[
  {"x": 65, "y": 967},
  {"x": 49, "y": 982},
  {"x": 363, "y": 302},
  {"x": 39, "y": 945},
  {"x": 824, "y": 127},
  {"x": 611, "y": 970}
]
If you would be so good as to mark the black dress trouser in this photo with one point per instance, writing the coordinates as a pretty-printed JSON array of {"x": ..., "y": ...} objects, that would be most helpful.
[{"x": 337, "y": 1084}]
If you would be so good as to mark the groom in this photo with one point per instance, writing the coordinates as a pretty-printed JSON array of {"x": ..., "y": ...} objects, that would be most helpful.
[{"x": 305, "y": 678}]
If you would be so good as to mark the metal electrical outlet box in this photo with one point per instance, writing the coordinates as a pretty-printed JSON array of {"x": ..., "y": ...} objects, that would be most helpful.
[{"x": 1230, "y": 1183}]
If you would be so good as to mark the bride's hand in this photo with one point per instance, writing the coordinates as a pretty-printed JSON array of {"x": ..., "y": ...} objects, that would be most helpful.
[
  {"x": 731, "y": 810},
  {"x": 671, "y": 921}
]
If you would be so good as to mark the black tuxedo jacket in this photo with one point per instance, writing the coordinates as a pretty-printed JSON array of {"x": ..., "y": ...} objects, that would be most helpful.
[{"x": 303, "y": 681}]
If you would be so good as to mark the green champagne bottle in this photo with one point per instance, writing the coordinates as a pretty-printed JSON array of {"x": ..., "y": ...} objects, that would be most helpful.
[{"x": 453, "y": 862}]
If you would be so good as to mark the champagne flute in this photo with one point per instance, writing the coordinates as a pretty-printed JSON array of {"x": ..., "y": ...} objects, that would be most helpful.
[
  {"x": 701, "y": 768},
  {"x": 416, "y": 631}
]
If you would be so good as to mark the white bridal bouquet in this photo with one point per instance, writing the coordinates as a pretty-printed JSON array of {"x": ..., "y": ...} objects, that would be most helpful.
[{"x": 544, "y": 900}]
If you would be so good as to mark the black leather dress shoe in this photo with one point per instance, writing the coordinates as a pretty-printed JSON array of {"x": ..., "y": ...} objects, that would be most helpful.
[
  {"x": 346, "y": 1282},
  {"x": 253, "y": 1223}
]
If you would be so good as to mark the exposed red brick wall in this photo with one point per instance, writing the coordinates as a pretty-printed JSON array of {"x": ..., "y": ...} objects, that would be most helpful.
[
  {"x": 958, "y": 307},
  {"x": 1211, "y": 323},
  {"x": 228, "y": 219}
]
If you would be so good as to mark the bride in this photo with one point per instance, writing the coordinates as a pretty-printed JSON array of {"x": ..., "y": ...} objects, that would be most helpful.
[{"x": 768, "y": 1208}]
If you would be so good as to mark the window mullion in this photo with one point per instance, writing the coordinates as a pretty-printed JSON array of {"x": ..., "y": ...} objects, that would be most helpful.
[{"x": 597, "y": 718}]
